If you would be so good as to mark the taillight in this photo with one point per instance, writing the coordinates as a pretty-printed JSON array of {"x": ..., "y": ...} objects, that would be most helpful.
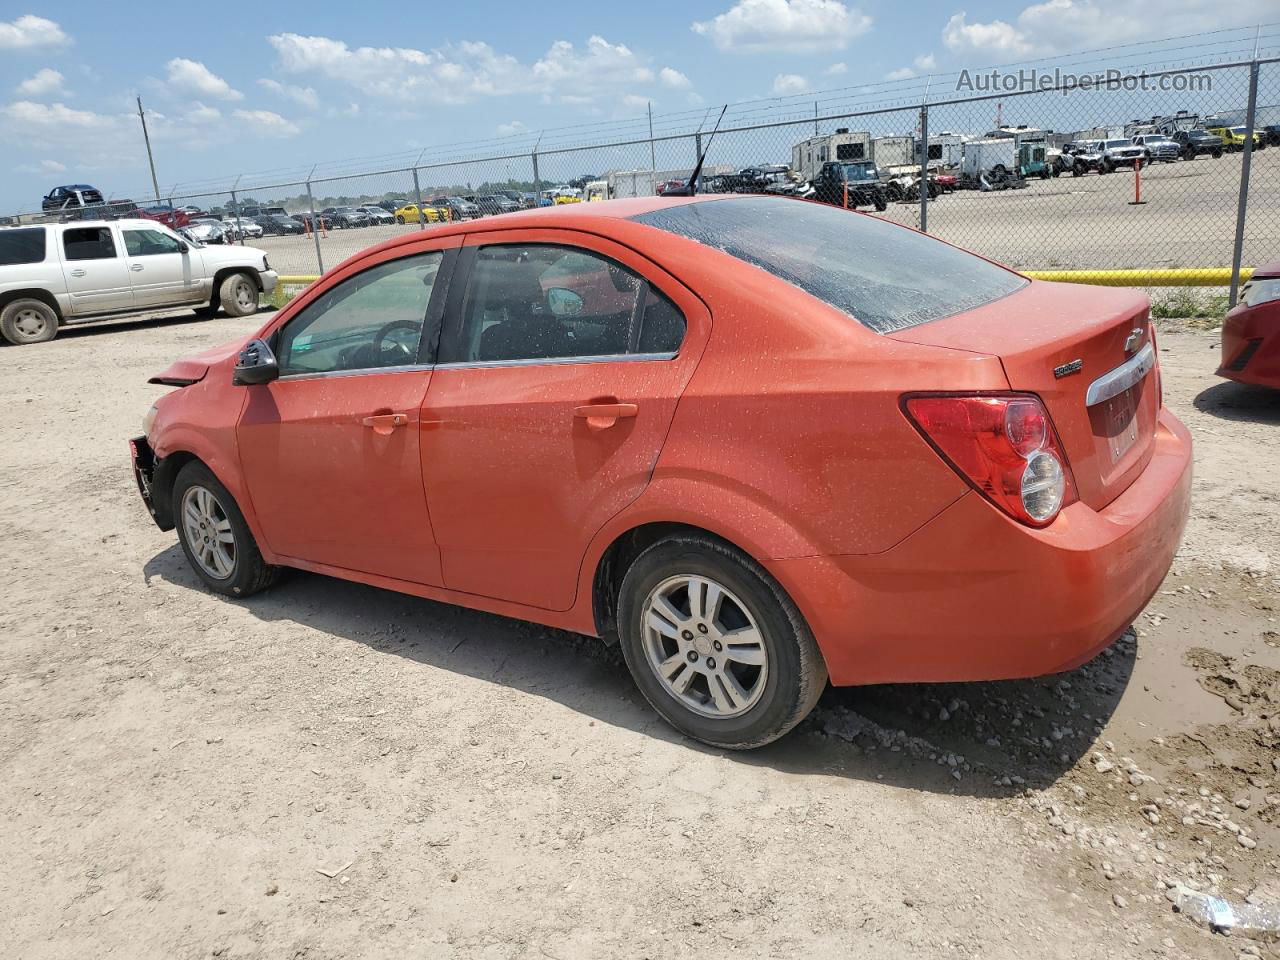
[{"x": 1004, "y": 446}]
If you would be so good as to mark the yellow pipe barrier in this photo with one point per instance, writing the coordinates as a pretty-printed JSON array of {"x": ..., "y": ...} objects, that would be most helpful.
[{"x": 1190, "y": 277}]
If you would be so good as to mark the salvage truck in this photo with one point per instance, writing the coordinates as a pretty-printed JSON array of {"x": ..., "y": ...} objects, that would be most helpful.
[{"x": 808, "y": 156}]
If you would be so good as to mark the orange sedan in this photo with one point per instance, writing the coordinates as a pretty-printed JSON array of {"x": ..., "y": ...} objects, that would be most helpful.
[{"x": 758, "y": 441}]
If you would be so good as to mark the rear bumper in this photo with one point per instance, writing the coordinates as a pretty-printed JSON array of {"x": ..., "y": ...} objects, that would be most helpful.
[
  {"x": 973, "y": 595},
  {"x": 1251, "y": 345}
]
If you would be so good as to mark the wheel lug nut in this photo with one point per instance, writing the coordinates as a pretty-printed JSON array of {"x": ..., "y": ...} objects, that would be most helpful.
[
  {"x": 711, "y": 663},
  {"x": 693, "y": 656},
  {"x": 686, "y": 634},
  {"x": 717, "y": 645},
  {"x": 702, "y": 628}
]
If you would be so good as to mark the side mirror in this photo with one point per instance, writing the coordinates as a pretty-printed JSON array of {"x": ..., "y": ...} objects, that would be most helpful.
[
  {"x": 564, "y": 303},
  {"x": 256, "y": 364},
  {"x": 182, "y": 246}
]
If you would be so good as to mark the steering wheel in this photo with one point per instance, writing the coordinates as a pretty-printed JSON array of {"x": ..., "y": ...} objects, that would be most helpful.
[{"x": 397, "y": 352}]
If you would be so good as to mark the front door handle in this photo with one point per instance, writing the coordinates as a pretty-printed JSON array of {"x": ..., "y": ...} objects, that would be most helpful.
[
  {"x": 136, "y": 267},
  {"x": 601, "y": 416},
  {"x": 77, "y": 273},
  {"x": 384, "y": 423}
]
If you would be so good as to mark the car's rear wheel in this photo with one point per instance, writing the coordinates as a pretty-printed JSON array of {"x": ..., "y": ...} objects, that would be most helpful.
[
  {"x": 400, "y": 219},
  {"x": 716, "y": 645},
  {"x": 28, "y": 321},
  {"x": 215, "y": 537},
  {"x": 239, "y": 295}
]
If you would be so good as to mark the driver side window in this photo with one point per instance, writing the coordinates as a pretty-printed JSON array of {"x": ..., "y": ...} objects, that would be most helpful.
[{"x": 370, "y": 321}]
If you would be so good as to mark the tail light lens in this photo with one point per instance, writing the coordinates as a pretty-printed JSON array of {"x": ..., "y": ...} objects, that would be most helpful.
[{"x": 1004, "y": 446}]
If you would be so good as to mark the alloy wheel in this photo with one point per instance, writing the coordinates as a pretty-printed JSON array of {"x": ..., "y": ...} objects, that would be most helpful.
[
  {"x": 208, "y": 533},
  {"x": 30, "y": 323},
  {"x": 704, "y": 646}
]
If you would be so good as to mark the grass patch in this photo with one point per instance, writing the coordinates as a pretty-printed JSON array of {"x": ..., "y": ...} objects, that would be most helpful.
[
  {"x": 1187, "y": 303},
  {"x": 281, "y": 295}
]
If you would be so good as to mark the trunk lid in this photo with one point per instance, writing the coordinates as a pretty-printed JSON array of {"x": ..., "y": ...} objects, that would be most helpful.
[{"x": 1060, "y": 341}]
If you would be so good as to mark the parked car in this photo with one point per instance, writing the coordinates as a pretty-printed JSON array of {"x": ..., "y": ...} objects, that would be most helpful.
[
  {"x": 494, "y": 204},
  {"x": 193, "y": 212},
  {"x": 319, "y": 221},
  {"x": 243, "y": 227},
  {"x": 861, "y": 178},
  {"x": 276, "y": 224},
  {"x": 64, "y": 273},
  {"x": 410, "y": 213},
  {"x": 889, "y": 435},
  {"x": 1251, "y": 331},
  {"x": 391, "y": 206},
  {"x": 1157, "y": 147},
  {"x": 263, "y": 212},
  {"x": 1272, "y": 132},
  {"x": 344, "y": 218},
  {"x": 205, "y": 230},
  {"x": 457, "y": 208},
  {"x": 1234, "y": 137},
  {"x": 1085, "y": 155},
  {"x": 525, "y": 201},
  {"x": 1195, "y": 143},
  {"x": 73, "y": 196},
  {"x": 163, "y": 213},
  {"x": 1119, "y": 153},
  {"x": 377, "y": 215}
]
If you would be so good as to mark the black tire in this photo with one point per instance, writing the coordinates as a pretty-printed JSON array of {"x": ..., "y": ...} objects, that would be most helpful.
[
  {"x": 796, "y": 673},
  {"x": 1105, "y": 167},
  {"x": 1077, "y": 170},
  {"x": 1217, "y": 153},
  {"x": 238, "y": 295},
  {"x": 28, "y": 321},
  {"x": 249, "y": 572},
  {"x": 400, "y": 220},
  {"x": 881, "y": 204}
]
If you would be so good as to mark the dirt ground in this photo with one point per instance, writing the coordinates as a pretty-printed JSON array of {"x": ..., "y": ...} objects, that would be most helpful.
[{"x": 332, "y": 771}]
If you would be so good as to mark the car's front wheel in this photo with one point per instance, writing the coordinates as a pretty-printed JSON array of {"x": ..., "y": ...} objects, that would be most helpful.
[
  {"x": 716, "y": 645},
  {"x": 28, "y": 321},
  {"x": 215, "y": 537}
]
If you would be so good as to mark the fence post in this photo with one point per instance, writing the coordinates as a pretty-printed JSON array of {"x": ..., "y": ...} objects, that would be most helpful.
[
  {"x": 417, "y": 196},
  {"x": 235, "y": 212},
  {"x": 1243, "y": 205},
  {"x": 315, "y": 227},
  {"x": 924, "y": 168},
  {"x": 537, "y": 181},
  {"x": 697, "y": 155}
]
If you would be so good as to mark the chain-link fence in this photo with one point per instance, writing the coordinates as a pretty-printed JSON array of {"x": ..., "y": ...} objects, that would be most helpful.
[{"x": 1061, "y": 177}]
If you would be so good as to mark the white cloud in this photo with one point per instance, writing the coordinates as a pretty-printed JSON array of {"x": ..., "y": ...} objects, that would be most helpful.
[
  {"x": 791, "y": 26},
  {"x": 787, "y": 84},
  {"x": 44, "y": 166},
  {"x": 926, "y": 62},
  {"x": 192, "y": 76},
  {"x": 302, "y": 95},
  {"x": 465, "y": 71},
  {"x": 202, "y": 114},
  {"x": 1064, "y": 26},
  {"x": 266, "y": 124},
  {"x": 511, "y": 129},
  {"x": 837, "y": 70},
  {"x": 47, "y": 116},
  {"x": 902, "y": 73},
  {"x": 673, "y": 79},
  {"x": 996, "y": 38},
  {"x": 29, "y": 31},
  {"x": 43, "y": 83},
  {"x": 635, "y": 102}
]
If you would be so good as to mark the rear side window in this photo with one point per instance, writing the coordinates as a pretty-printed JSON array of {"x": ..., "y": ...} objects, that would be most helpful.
[
  {"x": 88, "y": 243},
  {"x": 21, "y": 246},
  {"x": 886, "y": 277}
]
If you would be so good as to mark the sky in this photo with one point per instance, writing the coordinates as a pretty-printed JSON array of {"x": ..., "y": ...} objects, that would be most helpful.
[{"x": 286, "y": 85}]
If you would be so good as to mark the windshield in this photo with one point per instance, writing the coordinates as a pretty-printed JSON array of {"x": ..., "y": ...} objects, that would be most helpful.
[
  {"x": 885, "y": 276},
  {"x": 1238, "y": 130},
  {"x": 1119, "y": 143},
  {"x": 859, "y": 171}
]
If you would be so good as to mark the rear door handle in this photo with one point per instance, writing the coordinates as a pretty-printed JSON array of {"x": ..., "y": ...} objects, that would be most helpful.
[
  {"x": 601, "y": 416},
  {"x": 385, "y": 423},
  {"x": 77, "y": 273},
  {"x": 136, "y": 267}
]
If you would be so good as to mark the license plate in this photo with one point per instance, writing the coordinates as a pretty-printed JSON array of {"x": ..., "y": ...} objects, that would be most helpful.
[{"x": 1121, "y": 414}]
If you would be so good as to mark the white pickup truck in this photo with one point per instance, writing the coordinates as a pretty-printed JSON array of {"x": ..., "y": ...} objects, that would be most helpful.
[{"x": 62, "y": 273}]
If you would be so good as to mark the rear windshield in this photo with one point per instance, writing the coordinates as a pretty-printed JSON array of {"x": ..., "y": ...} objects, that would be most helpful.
[
  {"x": 21, "y": 246},
  {"x": 885, "y": 276}
]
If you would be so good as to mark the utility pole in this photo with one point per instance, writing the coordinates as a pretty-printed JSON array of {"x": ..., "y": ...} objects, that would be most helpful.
[
  {"x": 155, "y": 184},
  {"x": 653, "y": 162}
]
